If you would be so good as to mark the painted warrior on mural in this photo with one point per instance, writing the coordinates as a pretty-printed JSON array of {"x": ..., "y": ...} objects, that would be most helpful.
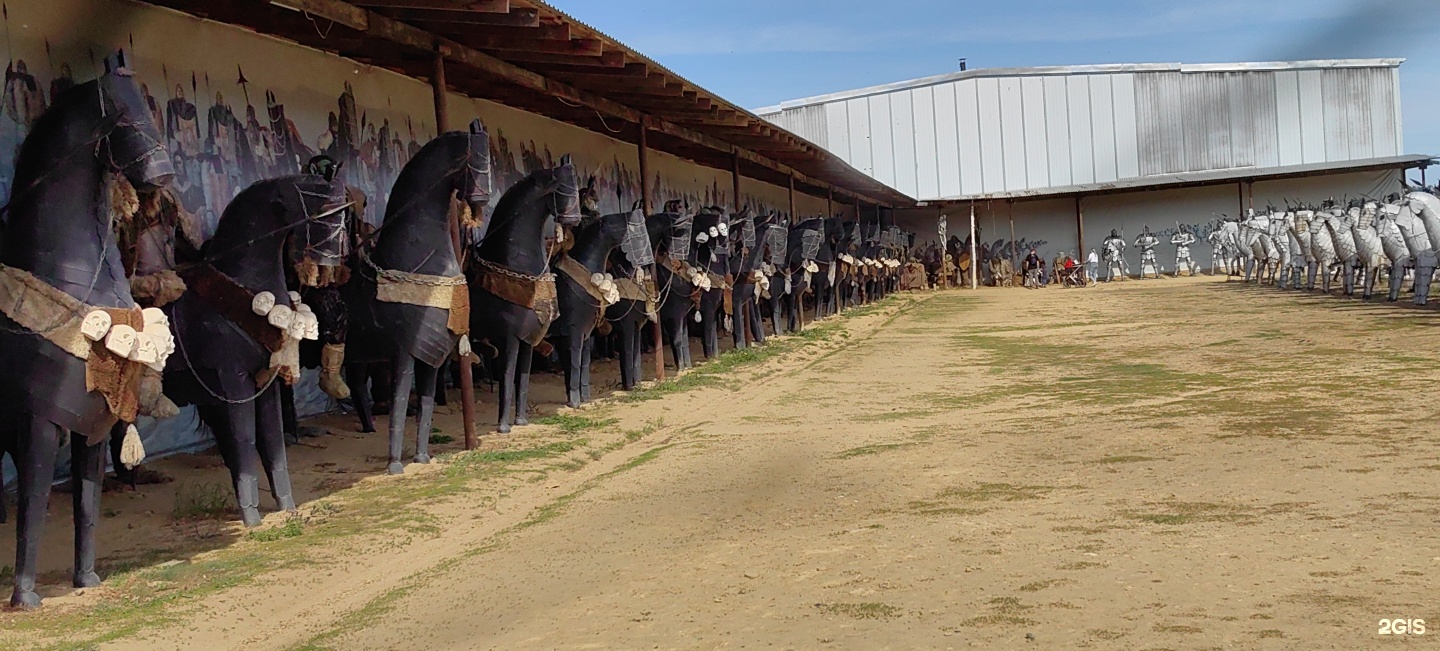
[
  {"x": 23, "y": 103},
  {"x": 1146, "y": 242},
  {"x": 1183, "y": 239},
  {"x": 1115, "y": 264}
]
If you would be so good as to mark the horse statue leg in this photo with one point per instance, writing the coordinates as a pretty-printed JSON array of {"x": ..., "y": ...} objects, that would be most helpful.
[
  {"x": 357, "y": 377},
  {"x": 1423, "y": 276},
  {"x": 737, "y": 316},
  {"x": 35, "y": 465},
  {"x": 427, "y": 380},
  {"x": 506, "y": 394},
  {"x": 627, "y": 329},
  {"x": 587, "y": 349},
  {"x": 234, "y": 428},
  {"x": 1397, "y": 278},
  {"x": 574, "y": 346},
  {"x": 404, "y": 377},
  {"x": 757, "y": 321},
  {"x": 709, "y": 321},
  {"x": 524, "y": 358},
  {"x": 270, "y": 443}
]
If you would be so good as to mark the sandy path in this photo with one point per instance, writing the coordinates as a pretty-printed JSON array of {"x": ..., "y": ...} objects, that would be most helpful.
[{"x": 1178, "y": 464}]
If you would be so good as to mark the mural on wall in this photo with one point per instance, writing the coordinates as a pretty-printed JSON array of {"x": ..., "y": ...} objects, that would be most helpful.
[{"x": 233, "y": 115}]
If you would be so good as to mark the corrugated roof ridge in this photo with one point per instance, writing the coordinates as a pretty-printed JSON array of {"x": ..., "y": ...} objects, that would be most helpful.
[{"x": 1092, "y": 69}]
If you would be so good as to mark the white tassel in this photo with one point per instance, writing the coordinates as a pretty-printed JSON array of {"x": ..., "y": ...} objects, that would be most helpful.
[
  {"x": 132, "y": 451},
  {"x": 697, "y": 317}
]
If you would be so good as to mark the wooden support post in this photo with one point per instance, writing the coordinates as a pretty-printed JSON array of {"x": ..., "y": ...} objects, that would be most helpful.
[
  {"x": 643, "y": 152},
  {"x": 437, "y": 87},
  {"x": 974, "y": 265},
  {"x": 1014, "y": 262},
  {"x": 644, "y": 156},
  {"x": 735, "y": 178},
  {"x": 830, "y": 204},
  {"x": 792, "y": 199},
  {"x": 1241, "y": 188},
  {"x": 467, "y": 375},
  {"x": 1080, "y": 226}
]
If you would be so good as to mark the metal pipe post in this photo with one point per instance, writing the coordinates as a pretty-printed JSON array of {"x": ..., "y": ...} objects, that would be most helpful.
[{"x": 644, "y": 163}]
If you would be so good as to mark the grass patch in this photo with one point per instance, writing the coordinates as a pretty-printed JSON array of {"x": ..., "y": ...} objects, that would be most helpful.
[
  {"x": 871, "y": 449},
  {"x": 1003, "y": 611},
  {"x": 996, "y": 492},
  {"x": 1082, "y": 565},
  {"x": 1124, "y": 458},
  {"x": 572, "y": 424},
  {"x": 1182, "y": 513},
  {"x": 441, "y": 439},
  {"x": 1037, "y": 586},
  {"x": 866, "y": 610},
  {"x": 1188, "y": 630},
  {"x": 203, "y": 501},
  {"x": 292, "y": 528}
]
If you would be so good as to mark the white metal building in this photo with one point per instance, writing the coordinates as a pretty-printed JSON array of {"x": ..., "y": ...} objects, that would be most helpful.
[{"x": 1122, "y": 145}]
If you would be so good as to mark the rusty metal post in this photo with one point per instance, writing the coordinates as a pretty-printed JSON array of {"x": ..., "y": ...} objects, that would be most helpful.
[
  {"x": 643, "y": 152},
  {"x": 467, "y": 377}
]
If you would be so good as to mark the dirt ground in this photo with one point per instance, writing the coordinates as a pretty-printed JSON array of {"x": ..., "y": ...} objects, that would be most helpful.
[{"x": 1177, "y": 464}]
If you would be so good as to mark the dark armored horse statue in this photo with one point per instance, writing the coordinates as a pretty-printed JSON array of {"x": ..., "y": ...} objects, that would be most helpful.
[
  {"x": 806, "y": 252},
  {"x": 712, "y": 245},
  {"x": 512, "y": 291},
  {"x": 238, "y": 330},
  {"x": 584, "y": 289},
  {"x": 676, "y": 278},
  {"x": 68, "y": 321},
  {"x": 745, "y": 259},
  {"x": 409, "y": 302},
  {"x": 633, "y": 266}
]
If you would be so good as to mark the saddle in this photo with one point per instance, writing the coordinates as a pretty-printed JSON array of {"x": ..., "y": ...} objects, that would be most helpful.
[{"x": 534, "y": 293}]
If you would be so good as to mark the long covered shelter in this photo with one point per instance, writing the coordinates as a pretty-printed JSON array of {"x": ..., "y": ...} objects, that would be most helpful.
[{"x": 246, "y": 90}]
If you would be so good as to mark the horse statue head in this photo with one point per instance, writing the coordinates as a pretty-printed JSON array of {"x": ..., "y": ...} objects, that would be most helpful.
[{"x": 95, "y": 135}]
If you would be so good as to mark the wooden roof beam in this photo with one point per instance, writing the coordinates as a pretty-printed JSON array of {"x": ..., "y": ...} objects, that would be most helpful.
[
  {"x": 610, "y": 59},
  {"x": 516, "y": 17},
  {"x": 393, "y": 30},
  {"x": 479, "y": 6}
]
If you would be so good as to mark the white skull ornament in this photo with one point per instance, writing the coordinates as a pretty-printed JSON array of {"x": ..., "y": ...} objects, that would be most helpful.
[
  {"x": 95, "y": 325},
  {"x": 280, "y": 316},
  {"x": 121, "y": 340},
  {"x": 146, "y": 350},
  {"x": 263, "y": 303}
]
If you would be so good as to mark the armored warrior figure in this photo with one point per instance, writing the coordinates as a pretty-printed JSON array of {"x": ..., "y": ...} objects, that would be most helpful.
[
  {"x": 1115, "y": 264},
  {"x": 1146, "y": 242},
  {"x": 1182, "y": 239}
]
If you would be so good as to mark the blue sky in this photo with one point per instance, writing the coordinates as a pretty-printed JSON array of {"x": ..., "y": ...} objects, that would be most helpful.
[{"x": 761, "y": 52}]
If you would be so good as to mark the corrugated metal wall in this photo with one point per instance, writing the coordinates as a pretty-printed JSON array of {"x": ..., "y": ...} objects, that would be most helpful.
[{"x": 990, "y": 134}]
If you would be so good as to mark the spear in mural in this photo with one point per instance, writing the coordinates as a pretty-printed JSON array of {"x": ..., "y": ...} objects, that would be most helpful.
[
  {"x": 9, "y": 49},
  {"x": 244, "y": 84},
  {"x": 49, "y": 61}
]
